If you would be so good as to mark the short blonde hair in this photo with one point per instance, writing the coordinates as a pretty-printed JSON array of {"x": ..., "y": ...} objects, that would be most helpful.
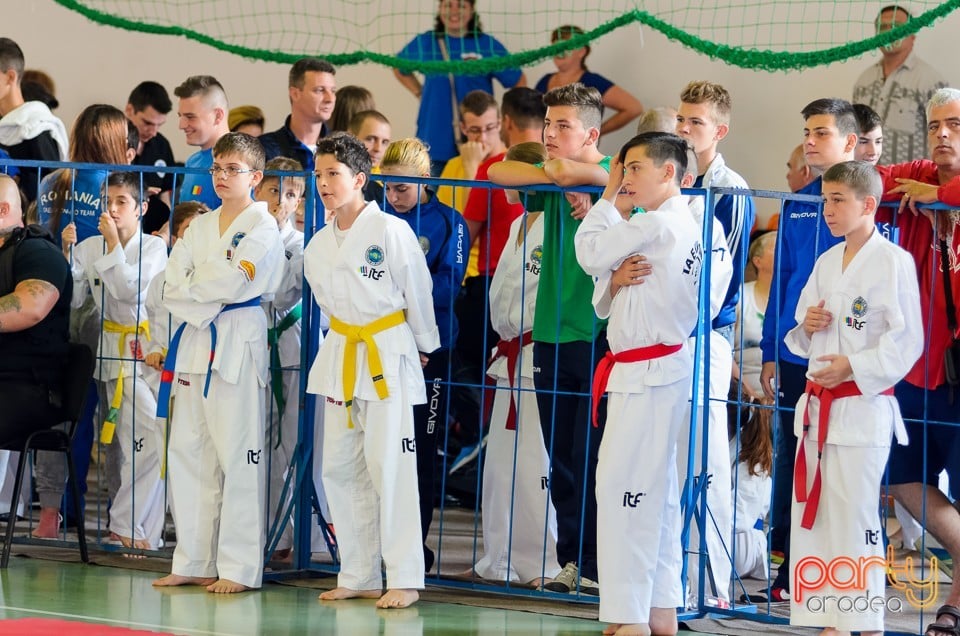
[
  {"x": 704, "y": 92},
  {"x": 407, "y": 153}
]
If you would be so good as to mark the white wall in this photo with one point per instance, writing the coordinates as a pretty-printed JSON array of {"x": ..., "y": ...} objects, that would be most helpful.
[{"x": 94, "y": 63}]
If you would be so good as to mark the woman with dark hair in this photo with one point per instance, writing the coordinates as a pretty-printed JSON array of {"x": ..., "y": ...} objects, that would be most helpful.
[
  {"x": 457, "y": 36},
  {"x": 571, "y": 67}
]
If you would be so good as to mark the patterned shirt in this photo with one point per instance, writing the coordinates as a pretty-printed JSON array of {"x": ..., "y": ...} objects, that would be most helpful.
[{"x": 901, "y": 101}]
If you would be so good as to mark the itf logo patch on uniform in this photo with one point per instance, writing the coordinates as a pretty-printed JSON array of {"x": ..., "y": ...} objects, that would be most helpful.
[
  {"x": 536, "y": 255},
  {"x": 234, "y": 242},
  {"x": 424, "y": 244},
  {"x": 859, "y": 309}
]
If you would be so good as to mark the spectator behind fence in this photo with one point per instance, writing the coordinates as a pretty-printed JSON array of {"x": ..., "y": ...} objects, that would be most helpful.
[
  {"x": 929, "y": 392},
  {"x": 372, "y": 128},
  {"x": 115, "y": 268},
  {"x": 147, "y": 107},
  {"x": 519, "y": 522},
  {"x": 747, "y": 359},
  {"x": 572, "y": 67},
  {"x": 203, "y": 119},
  {"x": 28, "y": 130},
  {"x": 443, "y": 236},
  {"x": 283, "y": 195},
  {"x": 350, "y": 101},
  {"x": 870, "y": 143},
  {"x": 246, "y": 119},
  {"x": 568, "y": 338},
  {"x": 456, "y": 36},
  {"x": 897, "y": 87},
  {"x": 35, "y": 293}
]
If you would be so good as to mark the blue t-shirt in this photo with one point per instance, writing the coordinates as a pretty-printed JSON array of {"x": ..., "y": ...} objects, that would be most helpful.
[
  {"x": 802, "y": 238},
  {"x": 593, "y": 80},
  {"x": 199, "y": 187},
  {"x": 443, "y": 236},
  {"x": 435, "y": 119},
  {"x": 83, "y": 205}
]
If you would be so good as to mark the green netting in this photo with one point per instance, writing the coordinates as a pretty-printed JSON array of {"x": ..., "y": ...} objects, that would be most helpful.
[{"x": 757, "y": 34}]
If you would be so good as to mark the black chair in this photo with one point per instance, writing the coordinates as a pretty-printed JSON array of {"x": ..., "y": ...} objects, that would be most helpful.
[{"x": 77, "y": 375}]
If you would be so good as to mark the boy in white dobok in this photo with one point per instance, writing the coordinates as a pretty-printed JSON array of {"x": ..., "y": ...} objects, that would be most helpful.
[
  {"x": 368, "y": 273},
  {"x": 115, "y": 268},
  {"x": 859, "y": 324},
  {"x": 647, "y": 374},
  {"x": 519, "y": 521},
  {"x": 282, "y": 196},
  {"x": 217, "y": 365}
]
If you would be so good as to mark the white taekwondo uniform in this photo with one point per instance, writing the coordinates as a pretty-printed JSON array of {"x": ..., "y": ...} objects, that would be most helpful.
[
  {"x": 719, "y": 522},
  {"x": 519, "y": 522},
  {"x": 369, "y": 458},
  {"x": 638, "y": 497},
  {"x": 216, "y": 460},
  {"x": 283, "y": 425},
  {"x": 877, "y": 324},
  {"x": 118, "y": 284}
]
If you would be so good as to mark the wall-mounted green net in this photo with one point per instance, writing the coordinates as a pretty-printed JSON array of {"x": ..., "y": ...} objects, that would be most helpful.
[{"x": 758, "y": 34}]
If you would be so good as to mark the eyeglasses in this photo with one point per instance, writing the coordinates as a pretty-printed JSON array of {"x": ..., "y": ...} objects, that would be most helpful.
[
  {"x": 229, "y": 171},
  {"x": 486, "y": 130}
]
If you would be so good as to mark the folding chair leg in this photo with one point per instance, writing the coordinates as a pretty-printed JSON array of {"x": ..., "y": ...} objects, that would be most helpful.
[
  {"x": 12, "y": 517},
  {"x": 77, "y": 511}
]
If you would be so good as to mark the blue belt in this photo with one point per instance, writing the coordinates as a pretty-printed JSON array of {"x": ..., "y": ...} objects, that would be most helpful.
[{"x": 170, "y": 363}]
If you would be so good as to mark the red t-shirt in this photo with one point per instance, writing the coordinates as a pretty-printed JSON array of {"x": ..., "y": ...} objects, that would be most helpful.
[
  {"x": 916, "y": 236},
  {"x": 495, "y": 231}
]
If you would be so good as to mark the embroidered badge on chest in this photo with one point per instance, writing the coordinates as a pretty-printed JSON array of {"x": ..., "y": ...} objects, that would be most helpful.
[
  {"x": 859, "y": 307},
  {"x": 234, "y": 242},
  {"x": 375, "y": 255},
  {"x": 425, "y": 245}
]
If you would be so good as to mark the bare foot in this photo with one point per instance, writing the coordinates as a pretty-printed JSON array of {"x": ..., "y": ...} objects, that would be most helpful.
[
  {"x": 398, "y": 598},
  {"x": 634, "y": 629},
  {"x": 136, "y": 544},
  {"x": 48, "y": 527},
  {"x": 539, "y": 582},
  {"x": 663, "y": 621},
  {"x": 832, "y": 631},
  {"x": 612, "y": 629},
  {"x": 173, "y": 580},
  {"x": 283, "y": 555},
  {"x": 341, "y": 593},
  {"x": 226, "y": 586}
]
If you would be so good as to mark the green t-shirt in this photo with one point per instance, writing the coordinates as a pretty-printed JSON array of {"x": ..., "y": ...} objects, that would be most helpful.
[{"x": 565, "y": 292}]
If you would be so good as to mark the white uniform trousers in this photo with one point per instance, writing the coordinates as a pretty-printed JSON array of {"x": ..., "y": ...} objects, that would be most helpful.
[
  {"x": 638, "y": 503},
  {"x": 8, "y": 474},
  {"x": 848, "y": 526},
  {"x": 137, "y": 510},
  {"x": 519, "y": 522},
  {"x": 218, "y": 472},
  {"x": 317, "y": 541},
  {"x": 719, "y": 521},
  {"x": 282, "y": 437},
  {"x": 750, "y": 558},
  {"x": 370, "y": 477}
]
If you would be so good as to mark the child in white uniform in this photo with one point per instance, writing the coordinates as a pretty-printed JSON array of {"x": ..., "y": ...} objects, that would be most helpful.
[
  {"x": 116, "y": 267},
  {"x": 217, "y": 365},
  {"x": 368, "y": 274},
  {"x": 859, "y": 324},
  {"x": 648, "y": 369},
  {"x": 283, "y": 196}
]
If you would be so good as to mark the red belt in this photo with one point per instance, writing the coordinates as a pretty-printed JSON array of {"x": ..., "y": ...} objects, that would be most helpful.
[
  {"x": 826, "y": 397},
  {"x": 605, "y": 367},
  {"x": 510, "y": 349}
]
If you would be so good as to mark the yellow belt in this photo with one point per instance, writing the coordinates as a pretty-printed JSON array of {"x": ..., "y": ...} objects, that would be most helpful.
[
  {"x": 354, "y": 334},
  {"x": 125, "y": 331}
]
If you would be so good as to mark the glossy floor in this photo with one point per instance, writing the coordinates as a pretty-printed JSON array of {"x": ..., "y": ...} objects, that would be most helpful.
[{"x": 125, "y": 598}]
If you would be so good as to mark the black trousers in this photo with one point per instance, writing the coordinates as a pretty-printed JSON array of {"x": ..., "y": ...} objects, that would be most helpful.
[
  {"x": 562, "y": 375},
  {"x": 27, "y": 407}
]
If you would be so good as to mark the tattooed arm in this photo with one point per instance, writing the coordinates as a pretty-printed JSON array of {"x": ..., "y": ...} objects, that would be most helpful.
[{"x": 27, "y": 305}]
